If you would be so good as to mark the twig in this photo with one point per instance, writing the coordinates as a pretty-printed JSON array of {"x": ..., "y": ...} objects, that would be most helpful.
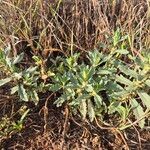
[
  {"x": 65, "y": 126},
  {"x": 113, "y": 129}
]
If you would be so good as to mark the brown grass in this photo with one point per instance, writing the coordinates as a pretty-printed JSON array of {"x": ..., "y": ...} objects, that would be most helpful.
[{"x": 45, "y": 26}]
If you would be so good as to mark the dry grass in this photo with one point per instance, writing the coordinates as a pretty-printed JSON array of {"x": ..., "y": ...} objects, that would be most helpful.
[{"x": 41, "y": 27}]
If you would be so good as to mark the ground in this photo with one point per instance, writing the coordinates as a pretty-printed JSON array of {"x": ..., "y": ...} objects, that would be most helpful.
[{"x": 50, "y": 128}]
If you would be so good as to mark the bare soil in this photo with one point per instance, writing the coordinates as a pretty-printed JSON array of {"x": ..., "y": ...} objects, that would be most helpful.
[{"x": 50, "y": 128}]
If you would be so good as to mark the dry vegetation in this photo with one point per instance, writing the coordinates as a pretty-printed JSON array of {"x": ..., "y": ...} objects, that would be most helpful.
[
  {"x": 50, "y": 28},
  {"x": 43, "y": 26}
]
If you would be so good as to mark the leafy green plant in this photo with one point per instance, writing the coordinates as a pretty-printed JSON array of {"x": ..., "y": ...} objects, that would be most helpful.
[
  {"x": 24, "y": 81},
  {"x": 102, "y": 84},
  {"x": 82, "y": 85},
  {"x": 9, "y": 127}
]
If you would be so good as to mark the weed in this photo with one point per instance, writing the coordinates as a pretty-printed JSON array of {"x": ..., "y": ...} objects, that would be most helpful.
[{"x": 82, "y": 85}]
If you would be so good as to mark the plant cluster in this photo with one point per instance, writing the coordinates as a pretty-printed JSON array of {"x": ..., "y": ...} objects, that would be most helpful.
[
  {"x": 114, "y": 83},
  {"x": 105, "y": 84},
  {"x": 21, "y": 78}
]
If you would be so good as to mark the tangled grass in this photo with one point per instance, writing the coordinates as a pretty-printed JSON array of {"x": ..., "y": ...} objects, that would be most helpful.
[{"x": 40, "y": 26}]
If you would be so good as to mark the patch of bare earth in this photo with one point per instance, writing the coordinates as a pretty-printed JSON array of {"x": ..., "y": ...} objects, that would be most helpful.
[{"x": 50, "y": 128}]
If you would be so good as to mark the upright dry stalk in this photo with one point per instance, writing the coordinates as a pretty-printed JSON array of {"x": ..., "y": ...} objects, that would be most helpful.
[{"x": 40, "y": 26}]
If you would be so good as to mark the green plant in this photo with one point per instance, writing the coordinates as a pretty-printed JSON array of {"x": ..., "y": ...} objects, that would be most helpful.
[
  {"x": 113, "y": 83},
  {"x": 126, "y": 85},
  {"x": 9, "y": 127},
  {"x": 23, "y": 79}
]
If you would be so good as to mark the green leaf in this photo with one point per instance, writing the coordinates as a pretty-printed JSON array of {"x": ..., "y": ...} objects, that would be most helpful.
[
  {"x": 145, "y": 98},
  {"x": 122, "y": 51},
  {"x": 22, "y": 93},
  {"x": 123, "y": 80},
  {"x": 8, "y": 62},
  {"x": 89, "y": 88},
  {"x": 14, "y": 89},
  {"x": 18, "y": 58},
  {"x": 127, "y": 71},
  {"x": 24, "y": 115},
  {"x": 98, "y": 100},
  {"x": 113, "y": 106},
  {"x": 94, "y": 57},
  {"x": 2, "y": 55},
  {"x": 113, "y": 86},
  {"x": 122, "y": 93},
  {"x": 122, "y": 111},
  {"x": 55, "y": 87},
  {"x": 138, "y": 112},
  {"x": 4, "y": 81},
  {"x": 36, "y": 58},
  {"x": 123, "y": 38},
  {"x": 17, "y": 76},
  {"x": 84, "y": 96},
  {"x": 147, "y": 82},
  {"x": 116, "y": 37},
  {"x": 30, "y": 70},
  {"x": 60, "y": 100},
  {"x": 36, "y": 97},
  {"x": 104, "y": 72},
  {"x": 83, "y": 108},
  {"x": 91, "y": 73},
  {"x": 91, "y": 112}
]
